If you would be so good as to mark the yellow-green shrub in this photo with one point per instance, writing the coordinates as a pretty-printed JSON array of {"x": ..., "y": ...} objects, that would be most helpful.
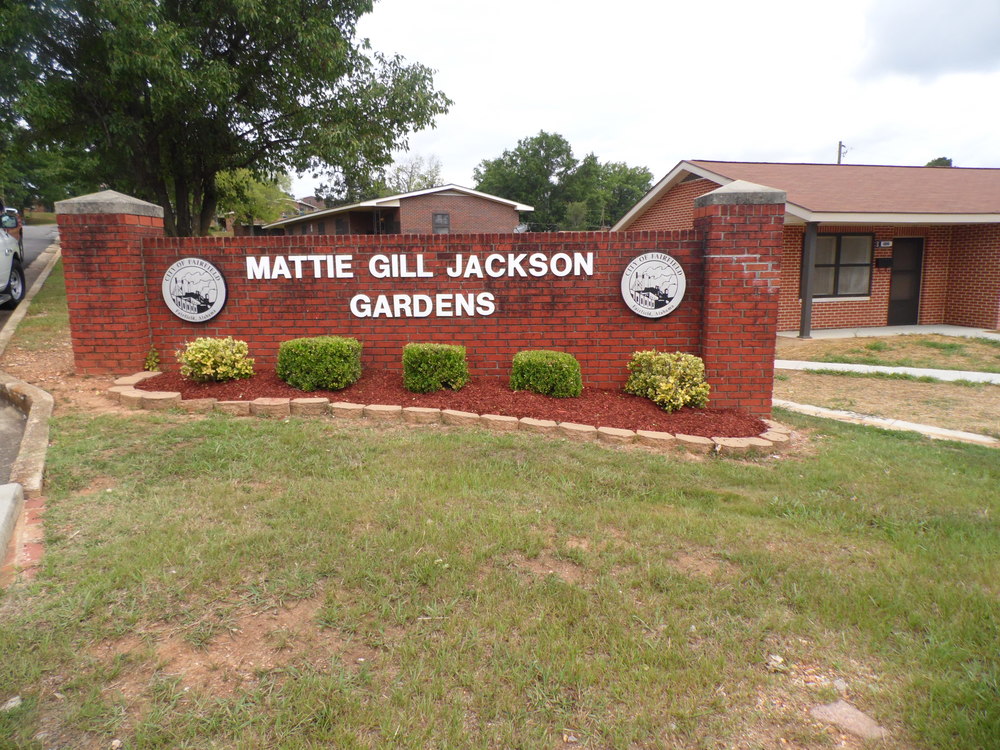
[
  {"x": 669, "y": 380},
  {"x": 208, "y": 359}
]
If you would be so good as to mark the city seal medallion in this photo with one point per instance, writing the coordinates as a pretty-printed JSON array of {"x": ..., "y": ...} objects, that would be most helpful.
[
  {"x": 653, "y": 285},
  {"x": 194, "y": 290}
]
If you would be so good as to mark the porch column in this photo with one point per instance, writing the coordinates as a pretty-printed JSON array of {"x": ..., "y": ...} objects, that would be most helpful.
[{"x": 806, "y": 280}]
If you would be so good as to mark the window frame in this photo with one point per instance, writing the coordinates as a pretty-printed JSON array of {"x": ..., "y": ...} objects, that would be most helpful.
[
  {"x": 838, "y": 264},
  {"x": 440, "y": 228}
]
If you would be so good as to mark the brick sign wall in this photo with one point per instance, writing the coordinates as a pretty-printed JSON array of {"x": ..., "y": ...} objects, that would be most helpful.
[{"x": 495, "y": 294}]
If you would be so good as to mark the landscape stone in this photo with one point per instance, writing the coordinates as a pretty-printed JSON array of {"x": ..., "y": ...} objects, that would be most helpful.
[
  {"x": 239, "y": 408},
  {"x": 740, "y": 445},
  {"x": 197, "y": 405},
  {"x": 540, "y": 426},
  {"x": 776, "y": 426},
  {"x": 115, "y": 392},
  {"x": 136, "y": 378},
  {"x": 615, "y": 435},
  {"x": 499, "y": 422},
  {"x": 312, "y": 406},
  {"x": 779, "y": 440},
  {"x": 160, "y": 400},
  {"x": 384, "y": 412},
  {"x": 460, "y": 418},
  {"x": 270, "y": 407},
  {"x": 850, "y": 719},
  {"x": 421, "y": 415},
  {"x": 579, "y": 432},
  {"x": 131, "y": 398},
  {"x": 695, "y": 443},
  {"x": 655, "y": 439},
  {"x": 346, "y": 410}
]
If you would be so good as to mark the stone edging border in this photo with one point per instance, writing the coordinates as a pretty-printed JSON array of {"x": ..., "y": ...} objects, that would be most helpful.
[{"x": 777, "y": 437}]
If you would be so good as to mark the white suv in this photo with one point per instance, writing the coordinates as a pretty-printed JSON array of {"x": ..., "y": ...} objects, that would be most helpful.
[{"x": 11, "y": 263}]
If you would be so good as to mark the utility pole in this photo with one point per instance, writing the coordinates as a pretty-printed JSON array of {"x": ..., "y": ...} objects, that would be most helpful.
[{"x": 841, "y": 150}]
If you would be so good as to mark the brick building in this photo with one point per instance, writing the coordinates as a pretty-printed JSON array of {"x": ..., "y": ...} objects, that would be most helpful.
[
  {"x": 891, "y": 245},
  {"x": 448, "y": 209}
]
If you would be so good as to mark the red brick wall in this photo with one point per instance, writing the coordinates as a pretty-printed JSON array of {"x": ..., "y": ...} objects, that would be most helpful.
[
  {"x": 675, "y": 210},
  {"x": 115, "y": 266},
  {"x": 468, "y": 214},
  {"x": 874, "y": 310},
  {"x": 975, "y": 275},
  {"x": 742, "y": 279}
]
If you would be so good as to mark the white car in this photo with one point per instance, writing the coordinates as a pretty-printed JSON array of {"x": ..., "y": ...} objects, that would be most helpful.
[{"x": 11, "y": 263}]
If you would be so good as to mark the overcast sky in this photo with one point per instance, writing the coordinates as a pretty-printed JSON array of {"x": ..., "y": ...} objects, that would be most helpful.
[{"x": 651, "y": 82}]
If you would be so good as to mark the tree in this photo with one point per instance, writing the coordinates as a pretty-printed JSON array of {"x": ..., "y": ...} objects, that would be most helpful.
[
  {"x": 566, "y": 193},
  {"x": 250, "y": 199},
  {"x": 412, "y": 173},
  {"x": 941, "y": 161},
  {"x": 169, "y": 93}
]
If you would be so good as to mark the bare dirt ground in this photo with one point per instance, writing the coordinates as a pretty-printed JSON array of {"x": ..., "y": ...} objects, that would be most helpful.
[{"x": 955, "y": 407}]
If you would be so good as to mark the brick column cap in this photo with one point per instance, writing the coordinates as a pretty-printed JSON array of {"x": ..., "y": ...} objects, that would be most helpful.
[
  {"x": 109, "y": 202},
  {"x": 740, "y": 192}
]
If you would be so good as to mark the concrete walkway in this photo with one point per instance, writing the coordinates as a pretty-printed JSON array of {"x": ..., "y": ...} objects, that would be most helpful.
[{"x": 938, "y": 433}]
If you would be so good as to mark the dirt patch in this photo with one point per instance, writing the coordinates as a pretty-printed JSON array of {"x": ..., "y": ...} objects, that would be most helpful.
[
  {"x": 547, "y": 564},
  {"x": 700, "y": 563},
  {"x": 956, "y": 407},
  {"x": 51, "y": 369},
  {"x": 917, "y": 350}
]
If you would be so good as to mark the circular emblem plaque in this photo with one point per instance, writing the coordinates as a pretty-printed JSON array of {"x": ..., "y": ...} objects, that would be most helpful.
[
  {"x": 653, "y": 285},
  {"x": 194, "y": 290}
]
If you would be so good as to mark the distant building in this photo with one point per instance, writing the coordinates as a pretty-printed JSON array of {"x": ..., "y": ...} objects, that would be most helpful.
[
  {"x": 893, "y": 245},
  {"x": 448, "y": 209}
]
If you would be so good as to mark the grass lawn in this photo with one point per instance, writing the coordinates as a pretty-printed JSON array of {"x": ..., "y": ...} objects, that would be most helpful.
[
  {"x": 931, "y": 351},
  {"x": 302, "y": 583}
]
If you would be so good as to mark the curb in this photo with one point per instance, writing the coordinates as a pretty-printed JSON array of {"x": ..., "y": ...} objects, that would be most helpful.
[
  {"x": 11, "y": 502},
  {"x": 775, "y": 437},
  {"x": 936, "y": 433}
]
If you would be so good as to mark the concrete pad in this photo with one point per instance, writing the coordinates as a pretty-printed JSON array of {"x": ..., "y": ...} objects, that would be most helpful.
[
  {"x": 655, "y": 439},
  {"x": 459, "y": 418},
  {"x": 271, "y": 407},
  {"x": 11, "y": 501},
  {"x": 237, "y": 408},
  {"x": 615, "y": 435},
  {"x": 540, "y": 426},
  {"x": 384, "y": 412},
  {"x": 850, "y": 719},
  {"x": 499, "y": 423},
  {"x": 695, "y": 443},
  {"x": 579, "y": 432},
  {"x": 421, "y": 415},
  {"x": 347, "y": 410},
  {"x": 160, "y": 400},
  {"x": 314, "y": 406}
]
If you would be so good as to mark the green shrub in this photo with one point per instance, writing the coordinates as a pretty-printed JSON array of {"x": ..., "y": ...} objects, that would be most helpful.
[
  {"x": 546, "y": 372},
  {"x": 431, "y": 367},
  {"x": 327, "y": 362},
  {"x": 218, "y": 360},
  {"x": 668, "y": 380}
]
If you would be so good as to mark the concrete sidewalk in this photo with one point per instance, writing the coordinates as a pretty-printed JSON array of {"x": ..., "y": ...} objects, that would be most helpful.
[
  {"x": 920, "y": 372},
  {"x": 941, "y": 330}
]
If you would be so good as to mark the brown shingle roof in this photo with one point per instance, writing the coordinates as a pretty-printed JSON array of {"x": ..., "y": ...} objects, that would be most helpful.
[{"x": 873, "y": 189}]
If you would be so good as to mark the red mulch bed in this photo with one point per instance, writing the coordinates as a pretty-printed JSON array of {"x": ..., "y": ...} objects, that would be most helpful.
[{"x": 484, "y": 395}]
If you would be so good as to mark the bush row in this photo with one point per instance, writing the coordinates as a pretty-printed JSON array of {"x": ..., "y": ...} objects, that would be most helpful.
[{"x": 670, "y": 380}]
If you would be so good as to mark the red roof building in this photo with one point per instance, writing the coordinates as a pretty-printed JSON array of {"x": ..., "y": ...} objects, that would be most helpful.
[{"x": 892, "y": 245}]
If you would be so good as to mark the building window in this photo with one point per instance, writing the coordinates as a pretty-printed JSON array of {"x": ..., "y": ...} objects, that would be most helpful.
[
  {"x": 340, "y": 225},
  {"x": 442, "y": 223},
  {"x": 843, "y": 265},
  {"x": 321, "y": 227}
]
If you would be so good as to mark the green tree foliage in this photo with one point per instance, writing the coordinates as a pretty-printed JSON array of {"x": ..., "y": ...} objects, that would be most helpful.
[
  {"x": 166, "y": 94},
  {"x": 941, "y": 161},
  {"x": 250, "y": 199},
  {"x": 411, "y": 173},
  {"x": 566, "y": 193}
]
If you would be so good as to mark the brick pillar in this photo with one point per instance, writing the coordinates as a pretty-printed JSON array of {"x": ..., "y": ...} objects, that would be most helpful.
[
  {"x": 101, "y": 239},
  {"x": 742, "y": 226}
]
